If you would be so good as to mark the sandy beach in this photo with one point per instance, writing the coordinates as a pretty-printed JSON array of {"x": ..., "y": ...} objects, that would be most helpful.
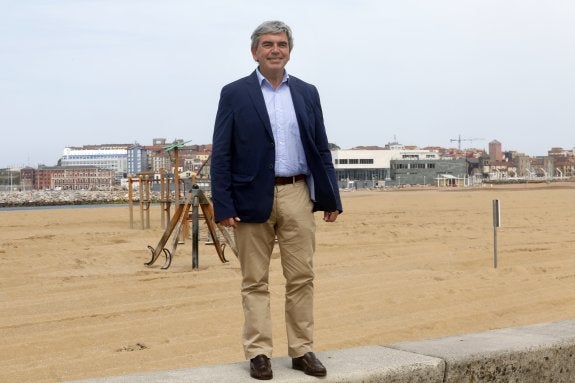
[{"x": 77, "y": 301}]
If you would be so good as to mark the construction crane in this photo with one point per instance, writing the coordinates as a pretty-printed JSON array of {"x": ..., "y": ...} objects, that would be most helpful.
[{"x": 459, "y": 139}]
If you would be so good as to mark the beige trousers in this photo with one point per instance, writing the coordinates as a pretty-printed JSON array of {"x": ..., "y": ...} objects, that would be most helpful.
[{"x": 293, "y": 223}]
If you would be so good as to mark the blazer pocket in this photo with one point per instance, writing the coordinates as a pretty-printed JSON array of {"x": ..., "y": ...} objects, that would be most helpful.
[{"x": 242, "y": 178}]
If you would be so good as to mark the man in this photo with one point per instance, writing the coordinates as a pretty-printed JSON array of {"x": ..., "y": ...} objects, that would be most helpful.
[{"x": 271, "y": 169}]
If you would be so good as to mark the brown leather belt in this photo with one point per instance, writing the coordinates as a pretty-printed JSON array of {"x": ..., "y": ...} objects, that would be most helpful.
[{"x": 289, "y": 180}]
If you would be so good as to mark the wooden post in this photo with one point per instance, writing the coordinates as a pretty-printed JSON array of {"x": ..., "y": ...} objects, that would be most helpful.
[
  {"x": 140, "y": 179},
  {"x": 177, "y": 175},
  {"x": 168, "y": 200},
  {"x": 131, "y": 201},
  {"x": 148, "y": 202},
  {"x": 162, "y": 199}
]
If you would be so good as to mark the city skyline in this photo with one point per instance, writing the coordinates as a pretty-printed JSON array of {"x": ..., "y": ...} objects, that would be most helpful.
[
  {"x": 74, "y": 72},
  {"x": 455, "y": 141}
]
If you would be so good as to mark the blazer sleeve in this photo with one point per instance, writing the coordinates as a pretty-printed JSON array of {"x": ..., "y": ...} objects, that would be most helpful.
[
  {"x": 322, "y": 145},
  {"x": 220, "y": 169},
  {"x": 314, "y": 138}
]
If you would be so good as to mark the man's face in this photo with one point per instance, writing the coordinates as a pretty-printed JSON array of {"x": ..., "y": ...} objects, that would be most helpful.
[{"x": 272, "y": 52}]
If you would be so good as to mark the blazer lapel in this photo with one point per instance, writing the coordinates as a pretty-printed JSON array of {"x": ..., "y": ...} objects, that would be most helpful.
[
  {"x": 255, "y": 92},
  {"x": 299, "y": 105}
]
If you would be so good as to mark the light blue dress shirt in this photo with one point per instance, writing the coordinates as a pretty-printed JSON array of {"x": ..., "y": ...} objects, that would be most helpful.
[{"x": 290, "y": 156}]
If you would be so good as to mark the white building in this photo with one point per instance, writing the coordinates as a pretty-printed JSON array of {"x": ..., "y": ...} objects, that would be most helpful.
[
  {"x": 367, "y": 167},
  {"x": 111, "y": 157}
]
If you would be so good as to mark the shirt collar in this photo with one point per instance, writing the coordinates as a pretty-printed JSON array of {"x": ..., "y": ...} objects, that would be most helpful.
[{"x": 261, "y": 77}]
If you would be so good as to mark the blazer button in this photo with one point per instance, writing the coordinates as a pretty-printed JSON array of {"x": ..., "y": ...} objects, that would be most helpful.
[{"x": 271, "y": 166}]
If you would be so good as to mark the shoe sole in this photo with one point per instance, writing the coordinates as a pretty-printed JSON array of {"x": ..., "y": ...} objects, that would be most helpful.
[{"x": 310, "y": 373}]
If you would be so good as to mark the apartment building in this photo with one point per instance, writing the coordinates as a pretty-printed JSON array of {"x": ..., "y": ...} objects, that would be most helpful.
[
  {"x": 109, "y": 156},
  {"x": 137, "y": 159},
  {"x": 72, "y": 178},
  {"x": 83, "y": 178}
]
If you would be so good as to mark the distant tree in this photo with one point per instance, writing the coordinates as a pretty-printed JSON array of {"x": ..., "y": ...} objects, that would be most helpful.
[{"x": 333, "y": 147}]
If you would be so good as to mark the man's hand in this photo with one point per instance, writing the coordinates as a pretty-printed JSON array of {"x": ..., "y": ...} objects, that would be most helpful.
[
  {"x": 230, "y": 222},
  {"x": 330, "y": 216}
]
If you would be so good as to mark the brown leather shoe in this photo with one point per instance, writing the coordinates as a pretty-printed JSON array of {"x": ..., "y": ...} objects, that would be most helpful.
[
  {"x": 309, "y": 364},
  {"x": 261, "y": 368}
]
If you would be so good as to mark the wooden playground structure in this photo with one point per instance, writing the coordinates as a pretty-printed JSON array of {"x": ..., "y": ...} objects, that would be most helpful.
[{"x": 187, "y": 210}]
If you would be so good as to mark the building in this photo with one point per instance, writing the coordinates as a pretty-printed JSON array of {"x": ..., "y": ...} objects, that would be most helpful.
[
  {"x": 43, "y": 177},
  {"x": 190, "y": 157},
  {"x": 563, "y": 162},
  {"x": 516, "y": 167},
  {"x": 27, "y": 178},
  {"x": 158, "y": 159},
  {"x": 10, "y": 179},
  {"x": 437, "y": 172},
  {"x": 371, "y": 167},
  {"x": 109, "y": 156},
  {"x": 137, "y": 159},
  {"x": 73, "y": 178},
  {"x": 82, "y": 178},
  {"x": 522, "y": 164},
  {"x": 495, "y": 153}
]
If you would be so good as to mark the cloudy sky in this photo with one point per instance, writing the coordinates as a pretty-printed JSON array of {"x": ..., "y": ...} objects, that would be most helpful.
[{"x": 421, "y": 72}]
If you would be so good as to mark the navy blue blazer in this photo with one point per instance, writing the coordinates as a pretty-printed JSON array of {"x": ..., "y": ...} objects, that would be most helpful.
[{"x": 243, "y": 152}]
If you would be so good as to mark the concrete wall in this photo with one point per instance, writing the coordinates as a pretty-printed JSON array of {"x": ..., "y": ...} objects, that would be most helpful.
[{"x": 538, "y": 353}]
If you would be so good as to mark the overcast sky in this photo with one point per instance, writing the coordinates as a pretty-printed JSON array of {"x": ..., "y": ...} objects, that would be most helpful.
[{"x": 78, "y": 72}]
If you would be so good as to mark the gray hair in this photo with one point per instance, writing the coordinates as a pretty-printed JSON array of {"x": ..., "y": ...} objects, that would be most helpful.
[{"x": 272, "y": 27}]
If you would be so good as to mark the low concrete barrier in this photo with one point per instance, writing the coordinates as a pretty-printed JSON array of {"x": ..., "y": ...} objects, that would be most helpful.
[{"x": 537, "y": 353}]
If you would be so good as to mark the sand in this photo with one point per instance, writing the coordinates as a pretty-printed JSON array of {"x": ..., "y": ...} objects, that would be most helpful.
[{"x": 76, "y": 300}]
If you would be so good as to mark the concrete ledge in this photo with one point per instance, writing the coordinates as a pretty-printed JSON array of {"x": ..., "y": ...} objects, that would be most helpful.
[
  {"x": 537, "y": 353},
  {"x": 357, "y": 365}
]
